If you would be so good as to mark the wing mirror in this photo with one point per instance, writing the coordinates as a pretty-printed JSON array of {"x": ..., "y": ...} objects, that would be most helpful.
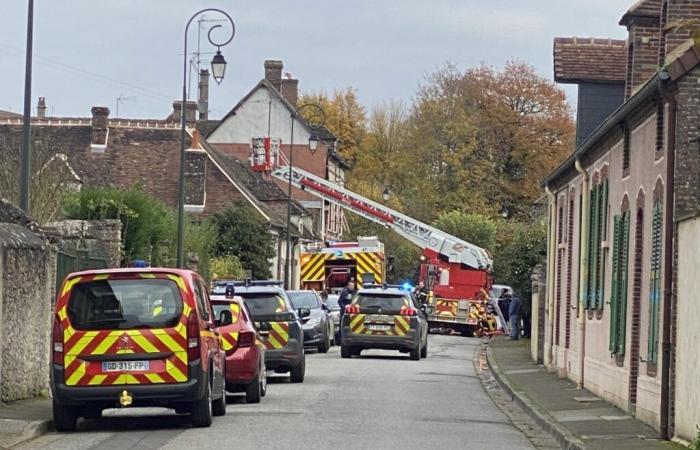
[
  {"x": 304, "y": 312},
  {"x": 225, "y": 318}
]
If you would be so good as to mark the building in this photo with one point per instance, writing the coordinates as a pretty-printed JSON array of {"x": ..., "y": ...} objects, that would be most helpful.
[
  {"x": 268, "y": 111},
  {"x": 624, "y": 226}
]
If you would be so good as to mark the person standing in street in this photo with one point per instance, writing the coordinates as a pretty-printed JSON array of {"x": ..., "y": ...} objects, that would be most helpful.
[
  {"x": 515, "y": 311},
  {"x": 344, "y": 300},
  {"x": 421, "y": 293}
]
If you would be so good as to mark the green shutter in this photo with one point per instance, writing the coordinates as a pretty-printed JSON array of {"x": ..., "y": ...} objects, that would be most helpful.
[
  {"x": 623, "y": 272},
  {"x": 593, "y": 249},
  {"x": 614, "y": 290},
  {"x": 603, "y": 218},
  {"x": 655, "y": 288}
]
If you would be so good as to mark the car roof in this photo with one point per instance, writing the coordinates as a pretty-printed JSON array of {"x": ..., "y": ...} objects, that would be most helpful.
[
  {"x": 223, "y": 298},
  {"x": 134, "y": 270},
  {"x": 259, "y": 290},
  {"x": 383, "y": 291}
]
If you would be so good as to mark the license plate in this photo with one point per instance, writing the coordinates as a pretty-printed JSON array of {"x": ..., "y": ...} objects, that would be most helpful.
[
  {"x": 380, "y": 318},
  {"x": 125, "y": 366},
  {"x": 379, "y": 327}
]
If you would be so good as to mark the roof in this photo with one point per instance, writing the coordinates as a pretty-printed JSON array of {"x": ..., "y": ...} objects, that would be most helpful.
[
  {"x": 642, "y": 10},
  {"x": 579, "y": 60},
  {"x": 17, "y": 236},
  {"x": 134, "y": 270},
  {"x": 675, "y": 70},
  {"x": 9, "y": 115},
  {"x": 323, "y": 133}
]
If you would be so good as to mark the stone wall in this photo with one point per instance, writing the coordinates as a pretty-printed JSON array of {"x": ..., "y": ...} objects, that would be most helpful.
[
  {"x": 27, "y": 264},
  {"x": 100, "y": 238}
]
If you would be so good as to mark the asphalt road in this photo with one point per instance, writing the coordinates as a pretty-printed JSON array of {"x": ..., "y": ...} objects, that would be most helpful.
[{"x": 381, "y": 400}]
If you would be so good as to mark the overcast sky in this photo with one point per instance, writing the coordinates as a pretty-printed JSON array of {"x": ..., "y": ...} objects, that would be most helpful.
[{"x": 90, "y": 52}]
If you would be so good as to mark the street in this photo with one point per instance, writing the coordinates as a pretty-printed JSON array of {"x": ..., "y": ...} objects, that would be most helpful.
[{"x": 380, "y": 400}]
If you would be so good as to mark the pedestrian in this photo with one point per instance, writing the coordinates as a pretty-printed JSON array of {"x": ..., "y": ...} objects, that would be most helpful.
[
  {"x": 515, "y": 313},
  {"x": 504, "y": 304},
  {"x": 344, "y": 300},
  {"x": 421, "y": 293}
]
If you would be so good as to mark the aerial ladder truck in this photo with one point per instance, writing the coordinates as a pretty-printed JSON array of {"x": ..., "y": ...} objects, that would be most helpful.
[{"x": 456, "y": 273}]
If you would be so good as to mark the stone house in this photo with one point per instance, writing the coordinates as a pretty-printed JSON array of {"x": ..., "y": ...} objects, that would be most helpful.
[
  {"x": 266, "y": 112},
  {"x": 624, "y": 231}
]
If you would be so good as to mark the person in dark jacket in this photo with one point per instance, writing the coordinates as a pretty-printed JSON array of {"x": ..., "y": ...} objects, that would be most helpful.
[
  {"x": 515, "y": 313},
  {"x": 344, "y": 300}
]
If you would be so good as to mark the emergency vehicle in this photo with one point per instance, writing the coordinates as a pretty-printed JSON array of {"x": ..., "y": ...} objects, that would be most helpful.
[
  {"x": 332, "y": 266},
  {"x": 458, "y": 274}
]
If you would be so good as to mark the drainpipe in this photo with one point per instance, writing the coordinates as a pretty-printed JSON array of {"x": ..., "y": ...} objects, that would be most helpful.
[
  {"x": 583, "y": 270},
  {"x": 668, "y": 263},
  {"x": 551, "y": 259}
]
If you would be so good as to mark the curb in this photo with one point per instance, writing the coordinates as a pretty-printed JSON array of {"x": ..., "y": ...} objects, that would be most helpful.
[
  {"x": 563, "y": 436},
  {"x": 30, "y": 430}
]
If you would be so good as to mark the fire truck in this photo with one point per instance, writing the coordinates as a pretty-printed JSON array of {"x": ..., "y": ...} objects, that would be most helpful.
[
  {"x": 457, "y": 274},
  {"x": 333, "y": 265}
]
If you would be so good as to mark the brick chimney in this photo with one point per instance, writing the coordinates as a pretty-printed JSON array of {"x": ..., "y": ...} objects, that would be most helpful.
[
  {"x": 203, "y": 100},
  {"x": 190, "y": 111},
  {"x": 290, "y": 90},
  {"x": 273, "y": 72},
  {"x": 100, "y": 127},
  {"x": 643, "y": 42},
  {"x": 41, "y": 108}
]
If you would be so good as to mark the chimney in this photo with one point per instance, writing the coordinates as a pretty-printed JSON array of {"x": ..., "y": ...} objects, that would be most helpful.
[
  {"x": 290, "y": 90},
  {"x": 41, "y": 108},
  {"x": 203, "y": 101},
  {"x": 273, "y": 72},
  {"x": 190, "y": 111},
  {"x": 100, "y": 128}
]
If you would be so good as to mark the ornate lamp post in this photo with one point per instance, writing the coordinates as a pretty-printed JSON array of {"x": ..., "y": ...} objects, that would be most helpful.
[
  {"x": 218, "y": 68},
  {"x": 316, "y": 119}
]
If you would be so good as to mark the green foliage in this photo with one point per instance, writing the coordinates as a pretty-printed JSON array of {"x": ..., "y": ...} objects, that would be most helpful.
[
  {"x": 200, "y": 240},
  {"x": 474, "y": 228},
  {"x": 245, "y": 234},
  {"x": 227, "y": 267},
  {"x": 146, "y": 222}
]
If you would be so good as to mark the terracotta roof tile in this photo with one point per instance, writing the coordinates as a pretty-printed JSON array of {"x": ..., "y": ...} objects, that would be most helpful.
[{"x": 589, "y": 59}]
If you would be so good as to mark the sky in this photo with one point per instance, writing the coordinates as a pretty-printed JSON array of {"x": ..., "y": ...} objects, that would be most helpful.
[{"x": 89, "y": 53}]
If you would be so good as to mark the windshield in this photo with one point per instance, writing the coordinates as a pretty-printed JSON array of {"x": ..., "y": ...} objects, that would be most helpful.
[
  {"x": 496, "y": 291},
  {"x": 384, "y": 302},
  {"x": 307, "y": 300},
  {"x": 332, "y": 301},
  {"x": 125, "y": 304},
  {"x": 267, "y": 303}
]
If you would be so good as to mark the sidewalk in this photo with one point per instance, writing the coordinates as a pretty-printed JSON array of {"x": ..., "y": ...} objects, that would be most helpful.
[
  {"x": 577, "y": 418},
  {"x": 23, "y": 420}
]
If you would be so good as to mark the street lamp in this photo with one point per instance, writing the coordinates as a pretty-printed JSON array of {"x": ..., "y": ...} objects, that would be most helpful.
[
  {"x": 316, "y": 119},
  {"x": 218, "y": 67},
  {"x": 25, "y": 157}
]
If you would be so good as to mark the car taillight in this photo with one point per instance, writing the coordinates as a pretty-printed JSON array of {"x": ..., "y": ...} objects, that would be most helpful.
[
  {"x": 57, "y": 341},
  {"x": 193, "y": 338},
  {"x": 409, "y": 312},
  {"x": 352, "y": 309},
  {"x": 246, "y": 339}
]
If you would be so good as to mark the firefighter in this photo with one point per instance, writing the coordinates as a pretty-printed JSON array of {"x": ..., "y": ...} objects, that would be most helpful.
[
  {"x": 421, "y": 293},
  {"x": 345, "y": 297}
]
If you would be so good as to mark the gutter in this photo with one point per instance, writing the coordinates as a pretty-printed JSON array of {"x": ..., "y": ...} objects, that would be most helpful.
[
  {"x": 650, "y": 89},
  {"x": 551, "y": 258},
  {"x": 583, "y": 270},
  {"x": 664, "y": 413}
]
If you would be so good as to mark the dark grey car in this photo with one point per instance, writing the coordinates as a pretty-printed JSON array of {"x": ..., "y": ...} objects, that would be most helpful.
[
  {"x": 385, "y": 318},
  {"x": 318, "y": 326}
]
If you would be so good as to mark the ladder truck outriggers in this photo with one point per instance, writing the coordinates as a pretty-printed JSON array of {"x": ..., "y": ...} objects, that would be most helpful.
[{"x": 457, "y": 274}]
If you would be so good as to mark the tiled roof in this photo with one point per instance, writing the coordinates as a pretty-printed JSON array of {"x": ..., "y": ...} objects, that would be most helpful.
[
  {"x": 646, "y": 9},
  {"x": 588, "y": 59}
]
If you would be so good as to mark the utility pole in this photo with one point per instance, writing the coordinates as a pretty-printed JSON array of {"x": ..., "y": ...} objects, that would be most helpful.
[{"x": 25, "y": 173}]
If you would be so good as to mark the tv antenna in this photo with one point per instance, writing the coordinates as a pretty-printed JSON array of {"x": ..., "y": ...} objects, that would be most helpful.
[{"x": 120, "y": 100}]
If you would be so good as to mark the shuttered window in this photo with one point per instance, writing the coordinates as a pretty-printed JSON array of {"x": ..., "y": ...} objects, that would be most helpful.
[
  {"x": 602, "y": 236},
  {"x": 655, "y": 288},
  {"x": 597, "y": 233},
  {"x": 592, "y": 255},
  {"x": 618, "y": 298}
]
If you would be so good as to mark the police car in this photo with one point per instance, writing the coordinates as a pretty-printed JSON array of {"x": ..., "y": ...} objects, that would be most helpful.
[
  {"x": 385, "y": 317},
  {"x": 279, "y": 325}
]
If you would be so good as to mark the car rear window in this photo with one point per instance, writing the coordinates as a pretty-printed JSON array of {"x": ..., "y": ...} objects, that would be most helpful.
[
  {"x": 304, "y": 300},
  {"x": 124, "y": 304},
  {"x": 263, "y": 304},
  {"x": 384, "y": 302},
  {"x": 218, "y": 307}
]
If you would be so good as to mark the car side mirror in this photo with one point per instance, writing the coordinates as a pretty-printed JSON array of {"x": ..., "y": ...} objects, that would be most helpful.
[
  {"x": 304, "y": 312},
  {"x": 225, "y": 318}
]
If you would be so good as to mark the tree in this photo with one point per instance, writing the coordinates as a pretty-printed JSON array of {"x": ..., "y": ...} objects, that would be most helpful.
[
  {"x": 473, "y": 228},
  {"x": 520, "y": 247},
  {"x": 226, "y": 268},
  {"x": 244, "y": 234}
]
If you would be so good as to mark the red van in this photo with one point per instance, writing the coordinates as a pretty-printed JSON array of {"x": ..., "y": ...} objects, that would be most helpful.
[
  {"x": 135, "y": 337},
  {"x": 245, "y": 355}
]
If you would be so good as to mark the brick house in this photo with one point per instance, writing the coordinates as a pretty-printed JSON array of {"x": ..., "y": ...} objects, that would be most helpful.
[
  {"x": 267, "y": 111},
  {"x": 624, "y": 232},
  {"x": 100, "y": 151}
]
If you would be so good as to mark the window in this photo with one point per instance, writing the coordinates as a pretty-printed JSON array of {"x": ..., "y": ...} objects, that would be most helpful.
[
  {"x": 659, "y": 128},
  {"x": 597, "y": 233},
  {"x": 626, "y": 150},
  {"x": 655, "y": 288},
  {"x": 618, "y": 297},
  {"x": 201, "y": 301}
]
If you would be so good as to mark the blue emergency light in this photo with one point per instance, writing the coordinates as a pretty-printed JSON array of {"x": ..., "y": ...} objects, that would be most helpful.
[{"x": 407, "y": 287}]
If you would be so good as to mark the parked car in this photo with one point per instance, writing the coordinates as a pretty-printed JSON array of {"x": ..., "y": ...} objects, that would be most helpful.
[
  {"x": 385, "y": 317},
  {"x": 279, "y": 325},
  {"x": 245, "y": 354},
  {"x": 135, "y": 337},
  {"x": 334, "y": 309},
  {"x": 318, "y": 326}
]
